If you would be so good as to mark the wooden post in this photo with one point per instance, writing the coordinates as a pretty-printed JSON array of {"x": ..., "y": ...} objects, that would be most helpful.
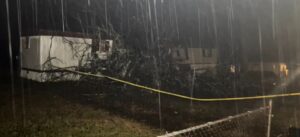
[{"x": 269, "y": 118}]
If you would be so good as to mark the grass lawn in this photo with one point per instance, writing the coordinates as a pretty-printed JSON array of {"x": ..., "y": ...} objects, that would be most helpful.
[
  {"x": 57, "y": 112},
  {"x": 49, "y": 115}
]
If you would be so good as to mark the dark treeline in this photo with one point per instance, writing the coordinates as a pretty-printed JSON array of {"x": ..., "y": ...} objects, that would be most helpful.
[{"x": 235, "y": 27}]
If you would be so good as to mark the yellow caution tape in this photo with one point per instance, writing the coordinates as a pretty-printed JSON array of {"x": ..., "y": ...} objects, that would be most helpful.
[{"x": 183, "y": 96}]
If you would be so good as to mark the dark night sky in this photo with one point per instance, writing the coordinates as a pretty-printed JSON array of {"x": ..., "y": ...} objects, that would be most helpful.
[
  {"x": 4, "y": 50},
  {"x": 127, "y": 19},
  {"x": 3, "y": 37}
]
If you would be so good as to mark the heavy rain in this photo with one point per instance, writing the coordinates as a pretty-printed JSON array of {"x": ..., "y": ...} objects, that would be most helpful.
[{"x": 141, "y": 68}]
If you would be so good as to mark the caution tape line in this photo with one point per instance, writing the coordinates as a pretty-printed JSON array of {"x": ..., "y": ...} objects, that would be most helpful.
[{"x": 183, "y": 96}]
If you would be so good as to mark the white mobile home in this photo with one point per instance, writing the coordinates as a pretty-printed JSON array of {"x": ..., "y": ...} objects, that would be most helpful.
[
  {"x": 199, "y": 59},
  {"x": 40, "y": 53}
]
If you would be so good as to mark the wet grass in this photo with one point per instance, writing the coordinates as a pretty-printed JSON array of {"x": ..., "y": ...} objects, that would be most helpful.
[
  {"x": 67, "y": 109},
  {"x": 49, "y": 115}
]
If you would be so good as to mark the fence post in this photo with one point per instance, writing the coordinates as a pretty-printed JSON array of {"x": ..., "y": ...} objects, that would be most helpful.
[{"x": 269, "y": 118}]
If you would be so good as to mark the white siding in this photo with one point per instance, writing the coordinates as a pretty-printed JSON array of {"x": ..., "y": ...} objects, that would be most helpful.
[
  {"x": 194, "y": 56},
  {"x": 64, "y": 51},
  {"x": 44, "y": 51},
  {"x": 198, "y": 59}
]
